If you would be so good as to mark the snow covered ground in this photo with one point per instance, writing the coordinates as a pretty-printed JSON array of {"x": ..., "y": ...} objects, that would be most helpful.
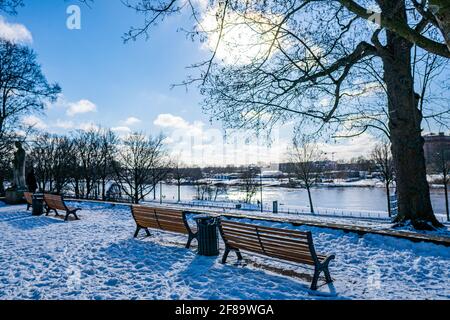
[{"x": 97, "y": 258}]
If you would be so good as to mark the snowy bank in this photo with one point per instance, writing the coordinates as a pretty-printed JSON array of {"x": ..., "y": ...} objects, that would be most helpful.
[{"x": 97, "y": 258}]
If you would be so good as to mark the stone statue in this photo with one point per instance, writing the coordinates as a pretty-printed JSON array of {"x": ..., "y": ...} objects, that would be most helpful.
[
  {"x": 19, "y": 168},
  {"x": 14, "y": 194}
]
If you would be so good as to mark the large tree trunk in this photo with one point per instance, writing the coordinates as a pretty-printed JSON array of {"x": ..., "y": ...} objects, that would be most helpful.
[{"x": 405, "y": 128}]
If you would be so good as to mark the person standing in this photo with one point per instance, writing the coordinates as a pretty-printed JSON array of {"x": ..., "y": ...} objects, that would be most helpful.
[{"x": 31, "y": 181}]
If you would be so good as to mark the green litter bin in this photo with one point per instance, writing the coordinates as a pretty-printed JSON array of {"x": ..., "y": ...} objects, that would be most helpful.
[
  {"x": 208, "y": 240},
  {"x": 38, "y": 204}
]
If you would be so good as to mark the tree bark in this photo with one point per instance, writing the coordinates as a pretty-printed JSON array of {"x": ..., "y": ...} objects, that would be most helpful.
[
  {"x": 77, "y": 189},
  {"x": 310, "y": 199},
  {"x": 405, "y": 119},
  {"x": 2, "y": 188},
  {"x": 103, "y": 189}
]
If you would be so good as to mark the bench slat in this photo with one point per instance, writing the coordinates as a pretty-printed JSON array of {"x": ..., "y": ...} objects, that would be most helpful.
[
  {"x": 270, "y": 247},
  {"x": 282, "y": 232},
  {"x": 157, "y": 218},
  {"x": 28, "y": 197},
  {"x": 284, "y": 244},
  {"x": 260, "y": 241},
  {"x": 54, "y": 202},
  {"x": 262, "y": 234},
  {"x": 272, "y": 254}
]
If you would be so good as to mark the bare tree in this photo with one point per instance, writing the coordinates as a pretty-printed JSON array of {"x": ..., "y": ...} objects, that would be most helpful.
[
  {"x": 381, "y": 155},
  {"x": 249, "y": 184},
  {"x": 51, "y": 157},
  {"x": 305, "y": 156},
  {"x": 136, "y": 159},
  {"x": 178, "y": 174},
  {"x": 23, "y": 87},
  {"x": 205, "y": 190},
  {"x": 89, "y": 153},
  {"x": 322, "y": 64},
  {"x": 62, "y": 157},
  {"x": 108, "y": 146},
  {"x": 434, "y": 12},
  {"x": 10, "y": 6},
  {"x": 6, "y": 159}
]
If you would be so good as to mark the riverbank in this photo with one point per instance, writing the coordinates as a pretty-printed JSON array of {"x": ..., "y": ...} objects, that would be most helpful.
[{"x": 285, "y": 183}]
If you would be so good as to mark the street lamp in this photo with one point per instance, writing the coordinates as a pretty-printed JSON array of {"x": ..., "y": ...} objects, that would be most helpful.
[
  {"x": 261, "y": 187},
  {"x": 160, "y": 192}
]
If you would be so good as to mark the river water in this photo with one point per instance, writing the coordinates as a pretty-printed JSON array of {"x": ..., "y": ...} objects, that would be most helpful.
[{"x": 346, "y": 198}]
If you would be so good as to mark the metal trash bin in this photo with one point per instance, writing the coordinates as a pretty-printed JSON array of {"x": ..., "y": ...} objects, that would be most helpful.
[
  {"x": 207, "y": 236},
  {"x": 38, "y": 204}
]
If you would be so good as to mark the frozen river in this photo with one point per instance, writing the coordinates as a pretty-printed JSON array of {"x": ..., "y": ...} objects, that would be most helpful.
[{"x": 348, "y": 198}]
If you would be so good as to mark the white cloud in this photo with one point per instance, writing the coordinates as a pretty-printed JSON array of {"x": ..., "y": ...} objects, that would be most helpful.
[
  {"x": 14, "y": 32},
  {"x": 80, "y": 107},
  {"x": 168, "y": 120},
  {"x": 205, "y": 146},
  {"x": 35, "y": 122},
  {"x": 121, "y": 130},
  {"x": 348, "y": 148},
  {"x": 132, "y": 121}
]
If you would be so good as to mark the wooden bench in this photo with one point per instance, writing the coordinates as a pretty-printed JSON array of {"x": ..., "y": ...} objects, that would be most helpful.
[
  {"x": 29, "y": 199},
  {"x": 55, "y": 203},
  {"x": 162, "y": 218},
  {"x": 289, "y": 245}
]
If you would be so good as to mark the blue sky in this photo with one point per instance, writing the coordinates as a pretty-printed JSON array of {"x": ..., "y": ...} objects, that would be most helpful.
[
  {"x": 127, "y": 86},
  {"x": 122, "y": 80}
]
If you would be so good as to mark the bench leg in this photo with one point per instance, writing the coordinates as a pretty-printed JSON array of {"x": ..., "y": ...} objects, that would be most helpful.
[
  {"x": 138, "y": 228},
  {"x": 225, "y": 255},
  {"x": 69, "y": 213},
  {"x": 327, "y": 275},
  {"x": 191, "y": 237},
  {"x": 315, "y": 279},
  {"x": 238, "y": 254},
  {"x": 137, "y": 231},
  {"x": 325, "y": 268}
]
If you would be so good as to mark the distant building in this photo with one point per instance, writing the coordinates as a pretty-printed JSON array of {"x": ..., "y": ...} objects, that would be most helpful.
[
  {"x": 272, "y": 174},
  {"x": 325, "y": 165},
  {"x": 434, "y": 143}
]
